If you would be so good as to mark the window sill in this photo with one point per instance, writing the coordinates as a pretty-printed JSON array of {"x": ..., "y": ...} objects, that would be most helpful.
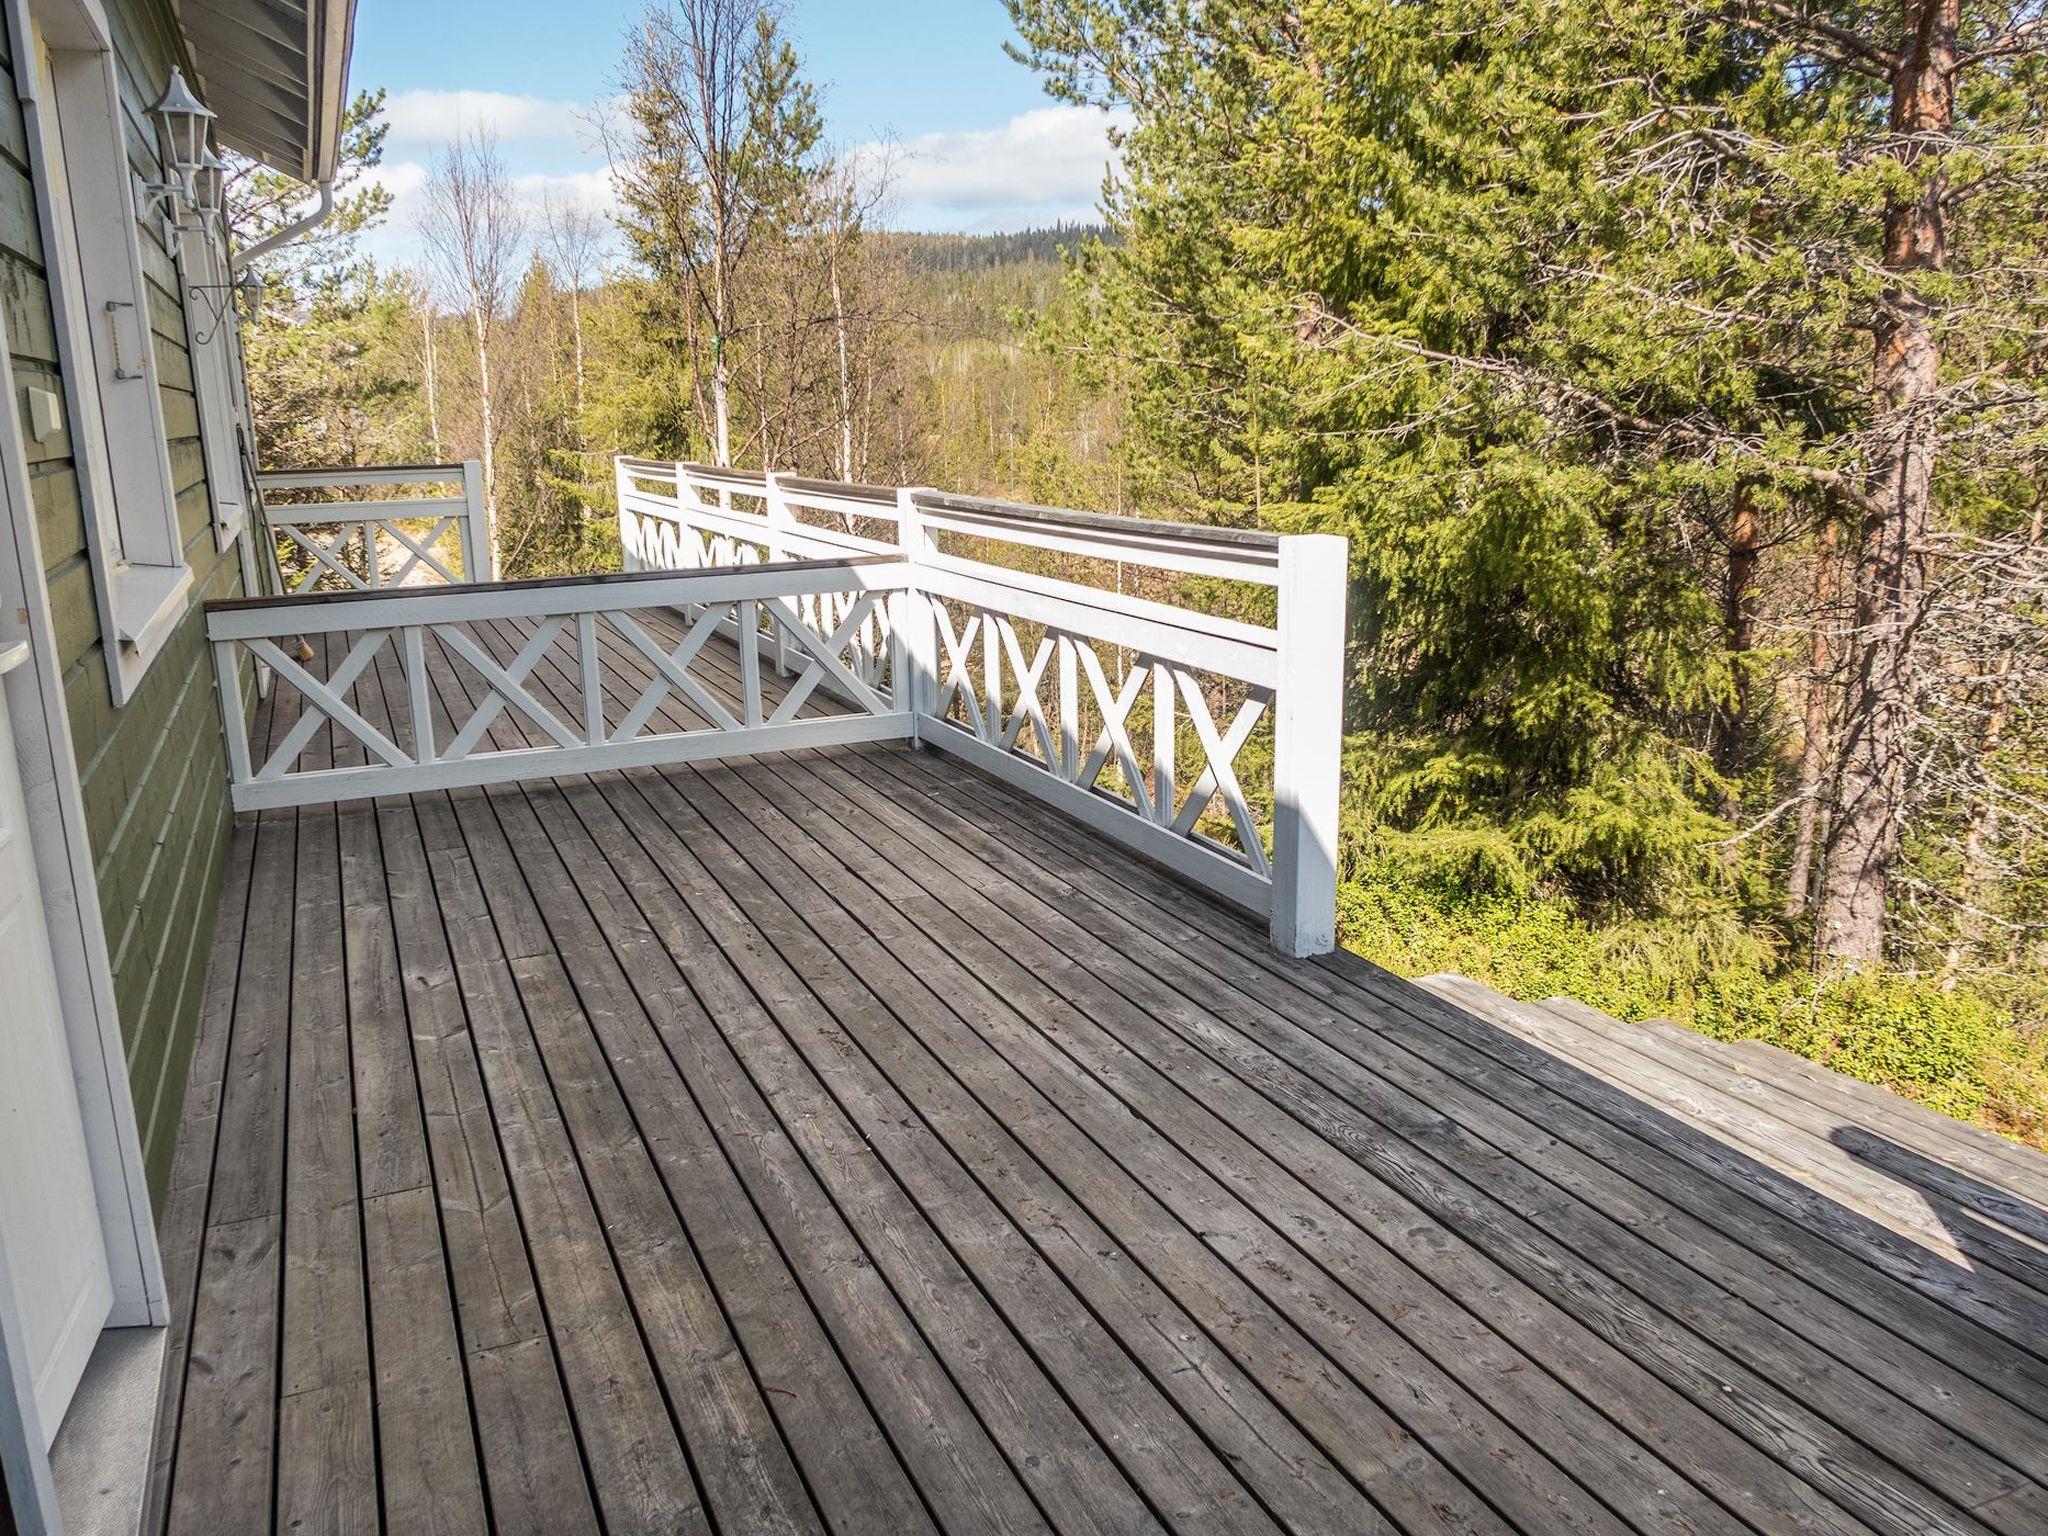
[{"x": 148, "y": 601}]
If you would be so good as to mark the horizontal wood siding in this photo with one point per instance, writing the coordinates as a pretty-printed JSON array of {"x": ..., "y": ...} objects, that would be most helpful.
[{"x": 153, "y": 776}]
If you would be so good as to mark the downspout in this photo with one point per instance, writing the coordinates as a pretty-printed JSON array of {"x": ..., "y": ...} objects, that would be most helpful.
[{"x": 288, "y": 234}]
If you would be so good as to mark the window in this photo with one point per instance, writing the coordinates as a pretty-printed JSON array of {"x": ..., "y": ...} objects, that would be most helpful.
[{"x": 93, "y": 263}]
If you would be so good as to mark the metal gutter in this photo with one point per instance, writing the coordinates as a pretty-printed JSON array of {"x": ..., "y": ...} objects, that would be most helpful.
[{"x": 283, "y": 237}]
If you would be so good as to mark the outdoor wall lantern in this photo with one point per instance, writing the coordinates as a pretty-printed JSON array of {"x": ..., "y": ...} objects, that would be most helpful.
[
  {"x": 181, "y": 120},
  {"x": 208, "y": 183}
]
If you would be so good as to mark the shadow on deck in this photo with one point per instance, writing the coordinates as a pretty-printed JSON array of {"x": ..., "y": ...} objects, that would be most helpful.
[{"x": 845, "y": 1142}]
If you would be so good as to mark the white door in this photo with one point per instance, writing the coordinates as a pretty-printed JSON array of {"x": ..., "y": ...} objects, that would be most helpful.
[{"x": 56, "y": 1258}]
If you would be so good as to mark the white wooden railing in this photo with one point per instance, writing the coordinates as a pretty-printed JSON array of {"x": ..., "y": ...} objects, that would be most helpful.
[
  {"x": 369, "y": 543},
  {"x": 998, "y": 633},
  {"x": 1141, "y": 718},
  {"x": 417, "y": 682}
]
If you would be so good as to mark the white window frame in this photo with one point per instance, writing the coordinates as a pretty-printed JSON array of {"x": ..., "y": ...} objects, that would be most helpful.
[
  {"x": 210, "y": 313},
  {"x": 78, "y": 144}
]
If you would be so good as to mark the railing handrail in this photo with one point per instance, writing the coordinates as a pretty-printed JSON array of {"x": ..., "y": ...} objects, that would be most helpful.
[
  {"x": 236, "y": 618},
  {"x": 718, "y": 474},
  {"x": 843, "y": 490},
  {"x": 1100, "y": 522},
  {"x": 1158, "y": 625},
  {"x": 389, "y": 510},
  {"x": 352, "y": 476},
  {"x": 525, "y": 584},
  {"x": 1238, "y": 554},
  {"x": 647, "y": 469}
]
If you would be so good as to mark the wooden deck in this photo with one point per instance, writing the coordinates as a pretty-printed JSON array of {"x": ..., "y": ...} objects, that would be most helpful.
[{"x": 845, "y": 1143}]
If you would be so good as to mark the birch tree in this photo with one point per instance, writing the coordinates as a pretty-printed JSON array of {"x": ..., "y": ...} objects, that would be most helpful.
[
  {"x": 473, "y": 235},
  {"x": 686, "y": 172},
  {"x": 719, "y": 171},
  {"x": 575, "y": 239},
  {"x": 854, "y": 191}
]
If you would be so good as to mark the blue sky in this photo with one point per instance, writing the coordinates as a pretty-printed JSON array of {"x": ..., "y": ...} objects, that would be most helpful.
[{"x": 979, "y": 145}]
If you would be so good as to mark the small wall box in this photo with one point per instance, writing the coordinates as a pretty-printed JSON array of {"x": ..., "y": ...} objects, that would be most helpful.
[{"x": 45, "y": 414}]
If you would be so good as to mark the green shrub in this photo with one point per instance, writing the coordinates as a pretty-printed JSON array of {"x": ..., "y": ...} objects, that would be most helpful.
[{"x": 1953, "y": 1050}]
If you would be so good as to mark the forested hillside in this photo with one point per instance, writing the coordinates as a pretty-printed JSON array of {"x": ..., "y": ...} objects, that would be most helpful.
[{"x": 1675, "y": 370}]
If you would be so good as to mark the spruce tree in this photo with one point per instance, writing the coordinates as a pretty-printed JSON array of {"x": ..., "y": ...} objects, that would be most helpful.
[{"x": 1587, "y": 322}]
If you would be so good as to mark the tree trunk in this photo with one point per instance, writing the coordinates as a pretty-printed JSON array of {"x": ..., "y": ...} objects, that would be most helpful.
[
  {"x": 721, "y": 377},
  {"x": 1738, "y": 615},
  {"x": 1814, "y": 745},
  {"x": 721, "y": 415},
  {"x": 845, "y": 370},
  {"x": 1969, "y": 932},
  {"x": 1891, "y": 557},
  {"x": 2016, "y": 943},
  {"x": 1983, "y": 826},
  {"x": 433, "y": 391},
  {"x": 576, "y": 333}
]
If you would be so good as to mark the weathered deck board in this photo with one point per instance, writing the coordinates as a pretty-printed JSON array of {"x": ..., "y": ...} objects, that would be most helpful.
[
  {"x": 1832, "y": 1152},
  {"x": 429, "y": 1461},
  {"x": 986, "y": 957},
  {"x": 1450, "y": 1063},
  {"x": 1656, "y": 1229},
  {"x": 840, "y": 1142},
  {"x": 1698, "y": 1295}
]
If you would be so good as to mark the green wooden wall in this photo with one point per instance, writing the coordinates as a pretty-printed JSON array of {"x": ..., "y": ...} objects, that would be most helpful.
[{"x": 153, "y": 774}]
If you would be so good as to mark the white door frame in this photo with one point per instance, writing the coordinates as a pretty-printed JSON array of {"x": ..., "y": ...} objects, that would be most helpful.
[{"x": 85, "y": 978}]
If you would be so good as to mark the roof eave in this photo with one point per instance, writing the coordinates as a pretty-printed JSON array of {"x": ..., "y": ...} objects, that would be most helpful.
[
  {"x": 337, "y": 21},
  {"x": 277, "y": 73}
]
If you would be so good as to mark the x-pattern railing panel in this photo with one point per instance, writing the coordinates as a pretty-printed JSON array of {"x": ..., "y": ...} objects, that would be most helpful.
[
  {"x": 366, "y": 554},
  {"x": 358, "y": 545},
  {"x": 652, "y": 539},
  {"x": 595, "y": 680},
  {"x": 1040, "y": 697}
]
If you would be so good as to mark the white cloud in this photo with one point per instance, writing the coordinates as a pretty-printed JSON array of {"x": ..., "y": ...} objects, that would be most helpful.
[
  {"x": 396, "y": 241},
  {"x": 1038, "y": 167},
  {"x": 591, "y": 188},
  {"x": 550, "y": 148},
  {"x": 430, "y": 119},
  {"x": 402, "y": 180}
]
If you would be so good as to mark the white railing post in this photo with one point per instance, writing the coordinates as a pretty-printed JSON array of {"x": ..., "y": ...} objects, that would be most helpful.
[
  {"x": 1308, "y": 742},
  {"x": 234, "y": 722},
  {"x": 475, "y": 518},
  {"x": 622, "y": 484},
  {"x": 776, "y": 507},
  {"x": 916, "y": 627},
  {"x": 691, "y": 541}
]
